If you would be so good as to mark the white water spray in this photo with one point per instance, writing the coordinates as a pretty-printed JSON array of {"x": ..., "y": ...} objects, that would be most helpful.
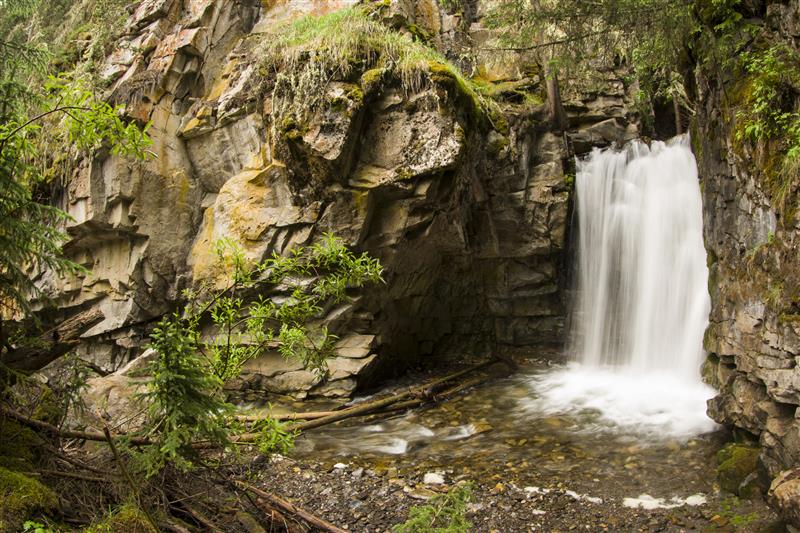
[
  {"x": 643, "y": 300},
  {"x": 643, "y": 297}
]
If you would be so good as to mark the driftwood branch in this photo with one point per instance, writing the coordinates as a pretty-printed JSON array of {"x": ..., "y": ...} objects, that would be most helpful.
[
  {"x": 286, "y": 417},
  {"x": 414, "y": 397}
]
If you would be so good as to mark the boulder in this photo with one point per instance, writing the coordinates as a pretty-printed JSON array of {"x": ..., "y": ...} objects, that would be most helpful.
[
  {"x": 737, "y": 464},
  {"x": 784, "y": 496}
]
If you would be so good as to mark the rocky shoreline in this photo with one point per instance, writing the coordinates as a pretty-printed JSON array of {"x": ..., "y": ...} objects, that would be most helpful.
[{"x": 373, "y": 500}]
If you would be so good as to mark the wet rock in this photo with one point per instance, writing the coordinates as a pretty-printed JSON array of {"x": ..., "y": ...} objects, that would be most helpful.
[{"x": 754, "y": 276}]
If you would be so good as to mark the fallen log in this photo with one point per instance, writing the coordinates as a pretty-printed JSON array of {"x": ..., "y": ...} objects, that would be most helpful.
[
  {"x": 424, "y": 392},
  {"x": 51, "y": 344},
  {"x": 413, "y": 397},
  {"x": 284, "y": 417},
  {"x": 289, "y": 508},
  {"x": 448, "y": 393},
  {"x": 416, "y": 394}
]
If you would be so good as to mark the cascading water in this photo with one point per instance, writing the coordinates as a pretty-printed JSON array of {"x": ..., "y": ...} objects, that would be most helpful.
[
  {"x": 643, "y": 301},
  {"x": 643, "y": 296}
]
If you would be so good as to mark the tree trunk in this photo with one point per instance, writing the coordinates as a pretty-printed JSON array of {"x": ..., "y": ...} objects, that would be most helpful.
[
  {"x": 677, "y": 110},
  {"x": 555, "y": 108}
]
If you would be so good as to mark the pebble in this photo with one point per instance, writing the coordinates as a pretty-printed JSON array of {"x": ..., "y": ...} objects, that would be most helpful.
[
  {"x": 339, "y": 466},
  {"x": 419, "y": 493},
  {"x": 433, "y": 478}
]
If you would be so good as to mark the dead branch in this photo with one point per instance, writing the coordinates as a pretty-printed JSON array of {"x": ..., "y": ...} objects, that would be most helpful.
[
  {"x": 133, "y": 486},
  {"x": 418, "y": 394},
  {"x": 75, "y": 462},
  {"x": 284, "y": 417},
  {"x": 425, "y": 392},
  {"x": 200, "y": 518},
  {"x": 75, "y": 475},
  {"x": 65, "y": 433},
  {"x": 287, "y": 507}
]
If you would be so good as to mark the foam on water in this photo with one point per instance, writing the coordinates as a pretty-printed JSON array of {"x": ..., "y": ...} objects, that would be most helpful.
[
  {"x": 647, "y": 502},
  {"x": 655, "y": 405}
]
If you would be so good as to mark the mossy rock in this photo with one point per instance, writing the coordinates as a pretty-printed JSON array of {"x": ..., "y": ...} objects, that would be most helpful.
[
  {"x": 448, "y": 78},
  {"x": 20, "y": 498},
  {"x": 48, "y": 408},
  {"x": 371, "y": 80},
  {"x": 128, "y": 518},
  {"x": 736, "y": 463},
  {"x": 496, "y": 144},
  {"x": 709, "y": 369},
  {"x": 19, "y": 445}
]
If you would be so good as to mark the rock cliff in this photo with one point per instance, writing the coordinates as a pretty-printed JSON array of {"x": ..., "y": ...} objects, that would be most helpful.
[
  {"x": 462, "y": 195},
  {"x": 752, "y": 239}
]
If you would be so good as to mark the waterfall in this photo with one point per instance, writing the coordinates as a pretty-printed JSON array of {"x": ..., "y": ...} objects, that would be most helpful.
[{"x": 642, "y": 296}]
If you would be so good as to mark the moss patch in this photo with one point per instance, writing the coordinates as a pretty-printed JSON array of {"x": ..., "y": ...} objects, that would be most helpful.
[
  {"x": 21, "y": 497},
  {"x": 371, "y": 80},
  {"x": 19, "y": 445},
  {"x": 736, "y": 462},
  {"x": 709, "y": 369},
  {"x": 128, "y": 518}
]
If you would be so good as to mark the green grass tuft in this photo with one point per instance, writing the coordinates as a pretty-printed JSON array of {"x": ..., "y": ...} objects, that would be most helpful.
[
  {"x": 311, "y": 51},
  {"x": 128, "y": 518}
]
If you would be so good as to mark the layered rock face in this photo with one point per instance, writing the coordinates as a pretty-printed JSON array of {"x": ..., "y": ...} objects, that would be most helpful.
[
  {"x": 468, "y": 215},
  {"x": 754, "y": 332}
]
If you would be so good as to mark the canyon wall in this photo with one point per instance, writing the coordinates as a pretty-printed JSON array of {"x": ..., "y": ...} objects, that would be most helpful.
[
  {"x": 752, "y": 240},
  {"x": 467, "y": 212}
]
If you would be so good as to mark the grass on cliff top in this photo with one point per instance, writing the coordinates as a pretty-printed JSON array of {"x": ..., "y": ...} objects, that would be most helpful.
[{"x": 349, "y": 40}]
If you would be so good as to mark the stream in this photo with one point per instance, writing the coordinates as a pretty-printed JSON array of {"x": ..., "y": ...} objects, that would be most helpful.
[
  {"x": 617, "y": 433},
  {"x": 501, "y": 429}
]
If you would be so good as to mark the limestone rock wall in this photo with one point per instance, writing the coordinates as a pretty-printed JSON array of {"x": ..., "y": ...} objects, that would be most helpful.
[
  {"x": 754, "y": 332},
  {"x": 469, "y": 221}
]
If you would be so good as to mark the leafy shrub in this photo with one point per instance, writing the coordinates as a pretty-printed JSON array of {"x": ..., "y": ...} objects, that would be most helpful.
[
  {"x": 445, "y": 513},
  {"x": 768, "y": 116},
  {"x": 184, "y": 396}
]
